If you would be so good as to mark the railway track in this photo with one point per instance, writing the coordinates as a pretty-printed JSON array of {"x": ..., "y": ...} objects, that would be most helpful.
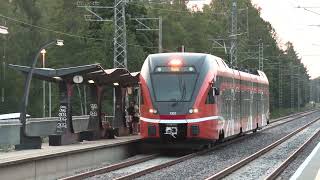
[
  {"x": 240, "y": 168},
  {"x": 137, "y": 163}
]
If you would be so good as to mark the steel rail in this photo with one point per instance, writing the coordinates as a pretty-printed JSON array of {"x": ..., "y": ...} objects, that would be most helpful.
[
  {"x": 291, "y": 158},
  {"x": 160, "y": 166},
  {"x": 298, "y": 115},
  {"x": 176, "y": 161},
  {"x": 229, "y": 170},
  {"x": 110, "y": 168},
  {"x": 189, "y": 156}
]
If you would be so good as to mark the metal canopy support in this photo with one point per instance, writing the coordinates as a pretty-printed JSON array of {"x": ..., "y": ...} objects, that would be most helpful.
[
  {"x": 64, "y": 128},
  {"x": 94, "y": 106},
  {"x": 120, "y": 35},
  {"x": 119, "y": 121}
]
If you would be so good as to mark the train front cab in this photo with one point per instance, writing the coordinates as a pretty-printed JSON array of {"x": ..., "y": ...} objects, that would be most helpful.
[
  {"x": 198, "y": 124},
  {"x": 213, "y": 114}
]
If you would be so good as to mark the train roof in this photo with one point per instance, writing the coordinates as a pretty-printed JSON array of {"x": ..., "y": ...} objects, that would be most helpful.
[
  {"x": 196, "y": 59},
  {"x": 161, "y": 56},
  {"x": 202, "y": 55}
]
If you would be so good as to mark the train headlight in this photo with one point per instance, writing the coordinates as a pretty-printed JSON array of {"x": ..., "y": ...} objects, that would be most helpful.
[
  {"x": 153, "y": 111},
  {"x": 193, "y": 110}
]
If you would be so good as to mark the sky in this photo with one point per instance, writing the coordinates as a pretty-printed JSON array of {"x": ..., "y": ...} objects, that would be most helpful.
[{"x": 296, "y": 25}]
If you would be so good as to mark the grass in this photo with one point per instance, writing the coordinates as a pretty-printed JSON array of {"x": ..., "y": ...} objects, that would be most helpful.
[{"x": 287, "y": 111}]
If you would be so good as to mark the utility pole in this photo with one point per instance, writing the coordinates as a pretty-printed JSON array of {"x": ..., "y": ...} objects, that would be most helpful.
[
  {"x": 145, "y": 27},
  {"x": 292, "y": 87},
  {"x": 4, "y": 31},
  {"x": 280, "y": 86},
  {"x": 311, "y": 91},
  {"x": 43, "y": 52},
  {"x": 160, "y": 34},
  {"x": 234, "y": 31},
  {"x": 298, "y": 90},
  {"x": 120, "y": 35},
  {"x": 260, "y": 55},
  {"x": 248, "y": 35}
]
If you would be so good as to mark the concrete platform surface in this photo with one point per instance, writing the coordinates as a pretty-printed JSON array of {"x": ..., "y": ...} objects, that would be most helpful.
[
  {"x": 51, "y": 151},
  {"x": 310, "y": 168}
]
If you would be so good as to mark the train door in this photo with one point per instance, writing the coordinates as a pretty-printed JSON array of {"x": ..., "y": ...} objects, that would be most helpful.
[
  {"x": 226, "y": 105},
  {"x": 258, "y": 105},
  {"x": 237, "y": 105},
  {"x": 251, "y": 105},
  {"x": 232, "y": 102},
  {"x": 263, "y": 106},
  {"x": 256, "y": 99},
  {"x": 261, "y": 110}
]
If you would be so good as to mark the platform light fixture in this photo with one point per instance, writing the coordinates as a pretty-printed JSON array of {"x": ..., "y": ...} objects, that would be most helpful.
[
  {"x": 91, "y": 81},
  {"x": 116, "y": 84},
  {"x": 4, "y": 30},
  {"x": 57, "y": 78},
  {"x": 59, "y": 42}
]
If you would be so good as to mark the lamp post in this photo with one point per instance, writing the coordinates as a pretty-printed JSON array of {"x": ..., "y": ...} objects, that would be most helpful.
[
  {"x": 28, "y": 82},
  {"x": 4, "y": 31},
  {"x": 43, "y": 52}
]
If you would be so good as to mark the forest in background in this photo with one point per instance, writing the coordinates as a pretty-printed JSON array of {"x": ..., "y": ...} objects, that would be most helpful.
[{"x": 31, "y": 23}]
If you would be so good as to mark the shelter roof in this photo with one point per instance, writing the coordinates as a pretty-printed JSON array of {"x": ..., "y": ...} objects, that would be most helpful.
[{"x": 92, "y": 73}]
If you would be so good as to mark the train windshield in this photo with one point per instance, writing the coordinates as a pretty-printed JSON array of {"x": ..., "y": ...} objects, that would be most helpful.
[{"x": 173, "y": 87}]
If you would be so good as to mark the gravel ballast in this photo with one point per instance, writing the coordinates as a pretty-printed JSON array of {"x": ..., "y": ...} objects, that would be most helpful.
[
  {"x": 267, "y": 163},
  {"x": 203, "y": 166},
  {"x": 294, "y": 165},
  {"x": 133, "y": 168}
]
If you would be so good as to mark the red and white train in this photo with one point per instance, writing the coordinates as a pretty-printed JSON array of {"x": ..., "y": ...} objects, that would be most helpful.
[{"x": 193, "y": 96}]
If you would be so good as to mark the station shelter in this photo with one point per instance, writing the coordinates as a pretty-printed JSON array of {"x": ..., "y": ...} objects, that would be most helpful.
[{"x": 66, "y": 130}]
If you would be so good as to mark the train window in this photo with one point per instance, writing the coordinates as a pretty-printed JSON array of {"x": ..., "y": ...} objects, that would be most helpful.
[
  {"x": 173, "y": 87},
  {"x": 210, "y": 97}
]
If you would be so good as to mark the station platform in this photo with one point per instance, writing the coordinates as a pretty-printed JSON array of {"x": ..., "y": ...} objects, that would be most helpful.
[
  {"x": 310, "y": 168},
  {"x": 52, "y": 162}
]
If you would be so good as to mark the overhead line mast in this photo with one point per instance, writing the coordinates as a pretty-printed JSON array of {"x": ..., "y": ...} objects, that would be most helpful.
[
  {"x": 233, "y": 36},
  {"x": 120, "y": 35}
]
